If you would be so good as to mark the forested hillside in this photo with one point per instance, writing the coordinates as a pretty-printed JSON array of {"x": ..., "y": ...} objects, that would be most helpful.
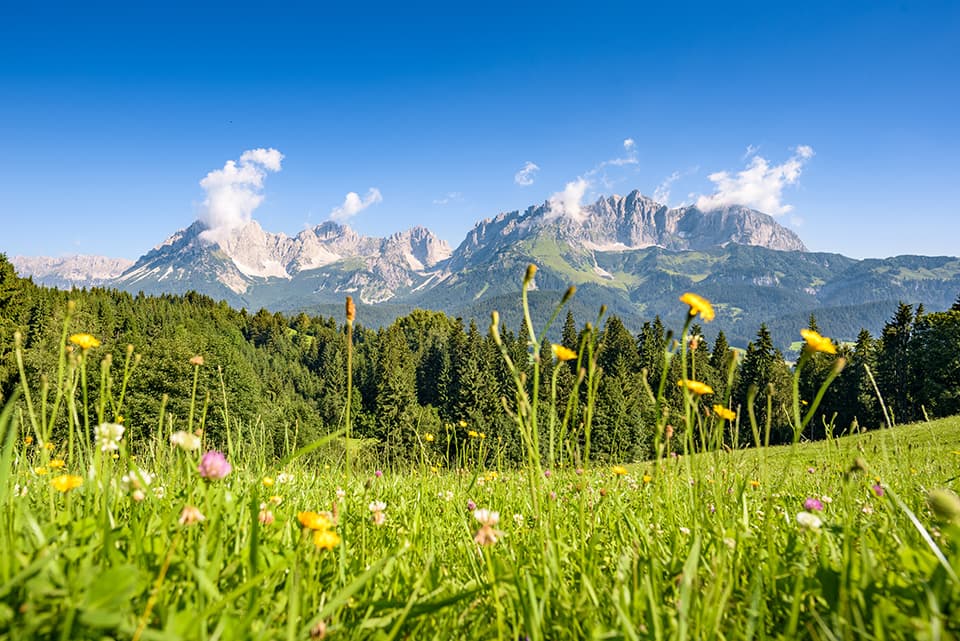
[{"x": 428, "y": 373}]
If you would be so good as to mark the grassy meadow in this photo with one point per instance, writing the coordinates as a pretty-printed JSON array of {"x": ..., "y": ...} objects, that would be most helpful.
[{"x": 180, "y": 538}]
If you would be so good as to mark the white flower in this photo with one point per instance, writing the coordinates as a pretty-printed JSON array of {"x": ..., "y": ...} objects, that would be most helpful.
[
  {"x": 685, "y": 530},
  {"x": 159, "y": 491},
  {"x": 341, "y": 493},
  {"x": 518, "y": 519},
  {"x": 446, "y": 496},
  {"x": 136, "y": 479},
  {"x": 283, "y": 477},
  {"x": 486, "y": 517},
  {"x": 826, "y": 499},
  {"x": 108, "y": 436},
  {"x": 19, "y": 490},
  {"x": 138, "y": 495},
  {"x": 377, "y": 506},
  {"x": 185, "y": 440},
  {"x": 809, "y": 521}
]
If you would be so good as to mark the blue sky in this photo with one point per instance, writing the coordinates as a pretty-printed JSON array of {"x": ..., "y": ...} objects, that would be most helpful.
[{"x": 844, "y": 113}]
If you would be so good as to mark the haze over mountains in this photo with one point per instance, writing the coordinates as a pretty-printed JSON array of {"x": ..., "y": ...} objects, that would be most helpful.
[{"x": 627, "y": 252}]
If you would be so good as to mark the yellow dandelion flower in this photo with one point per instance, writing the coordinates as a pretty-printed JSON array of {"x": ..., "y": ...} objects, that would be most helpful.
[
  {"x": 696, "y": 387},
  {"x": 482, "y": 435},
  {"x": 818, "y": 343},
  {"x": 28, "y": 440},
  {"x": 724, "y": 413},
  {"x": 49, "y": 447},
  {"x": 268, "y": 481},
  {"x": 66, "y": 482},
  {"x": 754, "y": 484},
  {"x": 84, "y": 341},
  {"x": 647, "y": 478},
  {"x": 326, "y": 539},
  {"x": 57, "y": 463},
  {"x": 428, "y": 437},
  {"x": 40, "y": 471},
  {"x": 315, "y": 520},
  {"x": 473, "y": 434},
  {"x": 618, "y": 470},
  {"x": 562, "y": 353},
  {"x": 698, "y": 305},
  {"x": 463, "y": 423}
]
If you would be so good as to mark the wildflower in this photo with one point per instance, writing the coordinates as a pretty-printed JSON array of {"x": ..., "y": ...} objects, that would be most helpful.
[
  {"x": 518, "y": 519},
  {"x": 29, "y": 440},
  {"x": 19, "y": 490},
  {"x": 214, "y": 465},
  {"x": 326, "y": 539},
  {"x": 684, "y": 530},
  {"x": 377, "y": 508},
  {"x": 267, "y": 481},
  {"x": 647, "y": 478},
  {"x": 826, "y": 499},
  {"x": 463, "y": 423},
  {"x": 197, "y": 360},
  {"x": 817, "y": 343},
  {"x": 809, "y": 521},
  {"x": 724, "y": 413},
  {"x": 191, "y": 515},
  {"x": 109, "y": 435},
  {"x": 547, "y": 473},
  {"x": 696, "y": 387},
  {"x": 813, "y": 505},
  {"x": 136, "y": 479},
  {"x": 378, "y": 473},
  {"x": 487, "y": 534},
  {"x": 619, "y": 470},
  {"x": 471, "y": 506},
  {"x": 341, "y": 493},
  {"x": 428, "y": 437},
  {"x": 698, "y": 305},
  {"x": 562, "y": 353},
  {"x": 138, "y": 495},
  {"x": 315, "y": 520},
  {"x": 40, "y": 471},
  {"x": 579, "y": 471},
  {"x": 283, "y": 477},
  {"x": 57, "y": 463},
  {"x": 446, "y": 496},
  {"x": 318, "y": 631},
  {"x": 482, "y": 435},
  {"x": 877, "y": 489},
  {"x": 159, "y": 491},
  {"x": 185, "y": 441},
  {"x": 867, "y": 509},
  {"x": 811, "y": 470},
  {"x": 473, "y": 434},
  {"x": 49, "y": 446},
  {"x": 276, "y": 499},
  {"x": 84, "y": 341},
  {"x": 66, "y": 482},
  {"x": 754, "y": 484},
  {"x": 265, "y": 517}
]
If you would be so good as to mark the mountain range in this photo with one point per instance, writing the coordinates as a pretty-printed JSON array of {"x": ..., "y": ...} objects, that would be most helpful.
[{"x": 630, "y": 253}]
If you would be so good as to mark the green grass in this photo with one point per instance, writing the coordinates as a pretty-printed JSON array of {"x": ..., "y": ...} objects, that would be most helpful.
[{"x": 716, "y": 545}]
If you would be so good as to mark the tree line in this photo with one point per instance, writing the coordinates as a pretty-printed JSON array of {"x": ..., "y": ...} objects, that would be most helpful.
[{"x": 430, "y": 375}]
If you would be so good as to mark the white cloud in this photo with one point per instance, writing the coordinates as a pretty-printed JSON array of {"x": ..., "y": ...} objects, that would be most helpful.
[
  {"x": 353, "y": 204},
  {"x": 759, "y": 186},
  {"x": 235, "y": 191},
  {"x": 629, "y": 144},
  {"x": 451, "y": 197},
  {"x": 750, "y": 151},
  {"x": 524, "y": 177},
  {"x": 662, "y": 193},
  {"x": 569, "y": 201}
]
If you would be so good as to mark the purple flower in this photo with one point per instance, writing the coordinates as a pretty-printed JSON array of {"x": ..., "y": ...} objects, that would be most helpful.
[
  {"x": 811, "y": 470},
  {"x": 214, "y": 465},
  {"x": 547, "y": 473},
  {"x": 813, "y": 505},
  {"x": 378, "y": 473},
  {"x": 471, "y": 506},
  {"x": 878, "y": 489}
]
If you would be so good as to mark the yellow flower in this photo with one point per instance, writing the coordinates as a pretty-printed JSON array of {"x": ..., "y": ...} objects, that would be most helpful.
[
  {"x": 268, "y": 481},
  {"x": 696, "y": 387},
  {"x": 724, "y": 413},
  {"x": 40, "y": 471},
  {"x": 326, "y": 539},
  {"x": 647, "y": 478},
  {"x": 84, "y": 341},
  {"x": 197, "y": 360},
  {"x": 463, "y": 423},
  {"x": 49, "y": 447},
  {"x": 66, "y": 482},
  {"x": 473, "y": 434},
  {"x": 754, "y": 484},
  {"x": 57, "y": 463},
  {"x": 28, "y": 440},
  {"x": 315, "y": 521},
  {"x": 482, "y": 435},
  {"x": 562, "y": 353},
  {"x": 818, "y": 343},
  {"x": 698, "y": 305},
  {"x": 428, "y": 437},
  {"x": 618, "y": 470}
]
